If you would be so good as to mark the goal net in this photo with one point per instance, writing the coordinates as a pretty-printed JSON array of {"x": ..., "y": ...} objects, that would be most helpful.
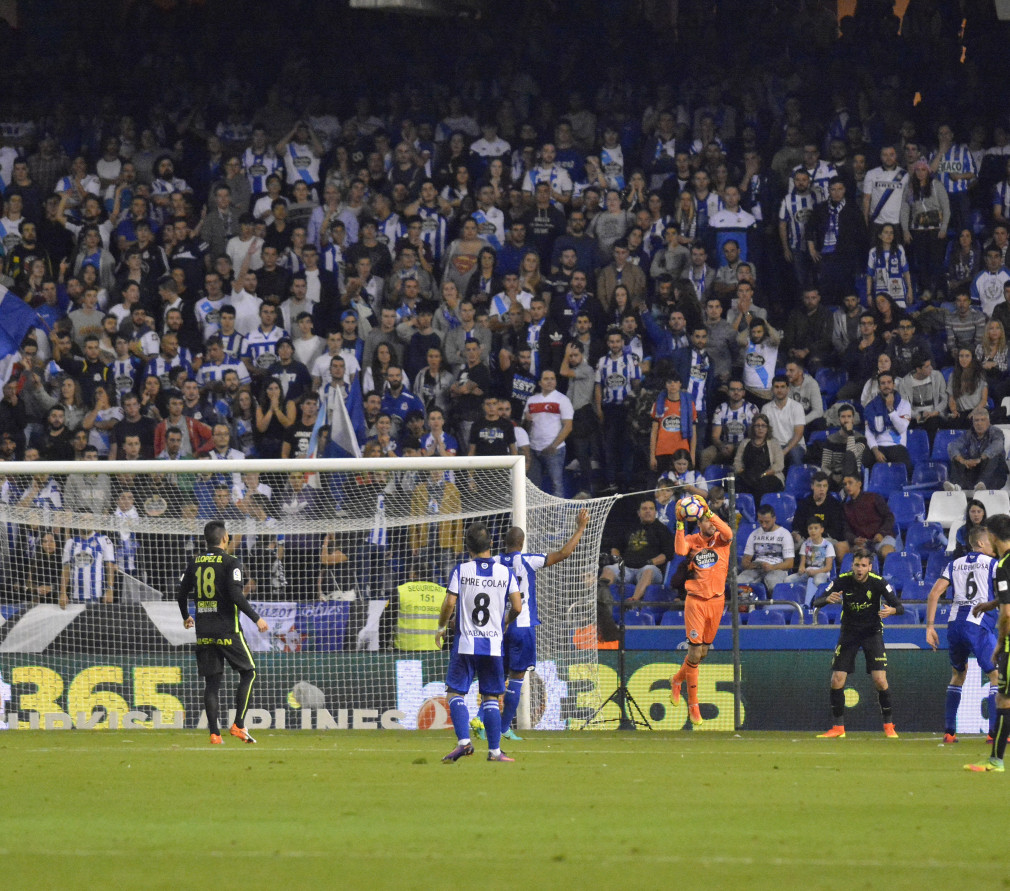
[{"x": 346, "y": 560}]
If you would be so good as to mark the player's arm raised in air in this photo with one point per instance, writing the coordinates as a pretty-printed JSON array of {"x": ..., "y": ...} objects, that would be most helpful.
[
  {"x": 568, "y": 548},
  {"x": 187, "y": 584},
  {"x": 935, "y": 593}
]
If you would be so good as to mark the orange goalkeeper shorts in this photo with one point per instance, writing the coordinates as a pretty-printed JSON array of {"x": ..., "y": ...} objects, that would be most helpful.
[{"x": 701, "y": 618}]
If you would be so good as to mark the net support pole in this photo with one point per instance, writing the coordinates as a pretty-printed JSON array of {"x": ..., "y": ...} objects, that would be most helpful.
[
  {"x": 734, "y": 597},
  {"x": 517, "y": 479}
]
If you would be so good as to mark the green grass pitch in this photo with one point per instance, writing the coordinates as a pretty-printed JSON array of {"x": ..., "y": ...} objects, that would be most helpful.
[{"x": 352, "y": 809}]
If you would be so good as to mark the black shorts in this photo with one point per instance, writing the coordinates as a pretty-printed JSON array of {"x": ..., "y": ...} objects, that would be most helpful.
[
  {"x": 1002, "y": 661},
  {"x": 850, "y": 642},
  {"x": 211, "y": 653}
]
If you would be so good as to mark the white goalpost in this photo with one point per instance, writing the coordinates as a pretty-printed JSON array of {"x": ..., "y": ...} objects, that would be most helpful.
[{"x": 346, "y": 559}]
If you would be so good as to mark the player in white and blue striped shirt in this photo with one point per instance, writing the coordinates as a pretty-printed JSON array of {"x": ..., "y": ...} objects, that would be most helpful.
[
  {"x": 520, "y": 649},
  {"x": 971, "y": 627},
  {"x": 478, "y": 593},
  {"x": 88, "y": 568}
]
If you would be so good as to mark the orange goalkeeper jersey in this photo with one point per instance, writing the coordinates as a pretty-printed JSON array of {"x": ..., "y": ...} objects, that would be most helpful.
[{"x": 708, "y": 564}]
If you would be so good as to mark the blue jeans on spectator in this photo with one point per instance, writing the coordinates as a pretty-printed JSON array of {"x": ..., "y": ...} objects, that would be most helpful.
[
  {"x": 618, "y": 453},
  {"x": 553, "y": 466},
  {"x": 795, "y": 456}
]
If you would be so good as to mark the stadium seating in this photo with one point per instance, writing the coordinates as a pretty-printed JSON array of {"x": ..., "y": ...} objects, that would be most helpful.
[
  {"x": 943, "y": 439},
  {"x": 929, "y": 476},
  {"x": 947, "y": 508},
  {"x": 917, "y": 443},
  {"x": 907, "y": 507},
  {"x": 887, "y": 478},
  {"x": 846, "y": 564},
  {"x": 716, "y": 473},
  {"x": 765, "y": 616},
  {"x": 794, "y": 591},
  {"x": 918, "y": 590},
  {"x": 829, "y": 614},
  {"x": 902, "y": 567},
  {"x": 653, "y": 594},
  {"x": 746, "y": 508},
  {"x": 935, "y": 564},
  {"x": 784, "y": 506},
  {"x": 909, "y": 617},
  {"x": 743, "y": 532},
  {"x": 673, "y": 617},
  {"x": 924, "y": 538},
  {"x": 830, "y": 381},
  {"x": 798, "y": 480},
  {"x": 996, "y": 501},
  {"x": 952, "y": 536},
  {"x": 1005, "y": 430},
  {"x": 759, "y": 591},
  {"x": 671, "y": 568},
  {"x": 638, "y": 617}
]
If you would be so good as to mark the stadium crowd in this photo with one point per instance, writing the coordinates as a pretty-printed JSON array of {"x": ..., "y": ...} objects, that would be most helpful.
[{"x": 627, "y": 274}]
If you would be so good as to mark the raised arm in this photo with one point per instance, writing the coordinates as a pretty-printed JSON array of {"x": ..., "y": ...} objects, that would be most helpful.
[{"x": 568, "y": 548}]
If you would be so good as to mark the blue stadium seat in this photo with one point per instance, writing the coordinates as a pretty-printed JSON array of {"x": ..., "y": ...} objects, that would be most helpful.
[
  {"x": 917, "y": 443},
  {"x": 765, "y": 616},
  {"x": 817, "y": 436},
  {"x": 907, "y": 507},
  {"x": 847, "y": 564},
  {"x": 935, "y": 564},
  {"x": 784, "y": 505},
  {"x": 746, "y": 508},
  {"x": 918, "y": 590},
  {"x": 743, "y": 532},
  {"x": 673, "y": 617},
  {"x": 947, "y": 373},
  {"x": 726, "y": 618},
  {"x": 828, "y": 615},
  {"x": 759, "y": 591},
  {"x": 887, "y": 478},
  {"x": 830, "y": 380},
  {"x": 943, "y": 439},
  {"x": 931, "y": 475},
  {"x": 909, "y": 617},
  {"x": 901, "y": 567},
  {"x": 671, "y": 568},
  {"x": 924, "y": 538},
  {"x": 653, "y": 594},
  {"x": 717, "y": 473},
  {"x": 798, "y": 480},
  {"x": 794, "y": 591},
  {"x": 638, "y": 617}
]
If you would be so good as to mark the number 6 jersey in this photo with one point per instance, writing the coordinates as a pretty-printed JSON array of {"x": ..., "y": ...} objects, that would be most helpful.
[{"x": 482, "y": 589}]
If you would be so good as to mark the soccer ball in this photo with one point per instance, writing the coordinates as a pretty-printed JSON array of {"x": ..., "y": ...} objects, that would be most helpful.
[{"x": 690, "y": 508}]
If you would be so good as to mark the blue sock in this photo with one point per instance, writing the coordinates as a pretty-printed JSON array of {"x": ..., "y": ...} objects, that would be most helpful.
[
  {"x": 950, "y": 711},
  {"x": 992, "y": 709},
  {"x": 480, "y": 711},
  {"x": 460, "y": 717},
  {"x": 512, "y": 690},
  {"x": 492, "y": 724}
]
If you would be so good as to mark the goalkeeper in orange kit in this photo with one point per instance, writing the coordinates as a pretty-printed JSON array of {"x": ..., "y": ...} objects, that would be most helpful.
[{"x": 708, "y": 556}]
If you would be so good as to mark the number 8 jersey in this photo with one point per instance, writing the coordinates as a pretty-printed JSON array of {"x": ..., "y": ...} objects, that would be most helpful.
[{"x": 482, "y": 589}]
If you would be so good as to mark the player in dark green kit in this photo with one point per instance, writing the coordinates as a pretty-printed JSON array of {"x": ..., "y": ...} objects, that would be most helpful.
[
  {"x": 999, "y": 534},
  {"x": 214, "y": 580},
  {"x": 860, "y": 593}
]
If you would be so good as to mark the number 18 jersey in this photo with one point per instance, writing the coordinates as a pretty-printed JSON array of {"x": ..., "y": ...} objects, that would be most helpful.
[{"x": 482, "y": 588}]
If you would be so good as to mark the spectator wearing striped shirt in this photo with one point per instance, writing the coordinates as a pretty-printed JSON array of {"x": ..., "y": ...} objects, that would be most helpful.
[
  {"x": 954, "y": 165},
  {"x": 618, "y": 378}
]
